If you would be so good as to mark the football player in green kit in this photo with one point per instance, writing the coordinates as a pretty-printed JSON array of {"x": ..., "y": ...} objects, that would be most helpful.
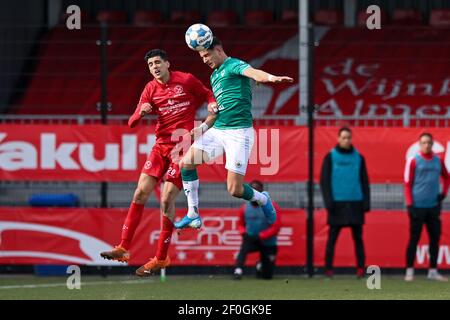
[{"x": 231, "y": 133}]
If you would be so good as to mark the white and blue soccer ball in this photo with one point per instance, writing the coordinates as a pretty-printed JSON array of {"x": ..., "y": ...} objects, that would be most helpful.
[{"x": 199, "y": 37}]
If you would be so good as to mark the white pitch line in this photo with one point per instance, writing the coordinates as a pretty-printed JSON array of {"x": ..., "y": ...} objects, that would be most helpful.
[{"x": 50, "y": 285}]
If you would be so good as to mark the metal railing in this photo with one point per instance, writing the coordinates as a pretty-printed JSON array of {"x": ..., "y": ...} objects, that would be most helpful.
[{"x": 320, "y": 120}]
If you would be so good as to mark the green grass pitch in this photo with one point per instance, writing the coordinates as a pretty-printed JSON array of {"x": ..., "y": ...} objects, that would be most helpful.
[{"x": 219, "y": 288}]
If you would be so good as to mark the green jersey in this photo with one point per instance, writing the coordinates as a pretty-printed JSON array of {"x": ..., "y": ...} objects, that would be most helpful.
[{"x": 233, "y": 94}]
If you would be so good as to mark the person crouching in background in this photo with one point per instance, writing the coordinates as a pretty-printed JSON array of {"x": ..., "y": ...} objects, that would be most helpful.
[{"x": 257, "y": 235}]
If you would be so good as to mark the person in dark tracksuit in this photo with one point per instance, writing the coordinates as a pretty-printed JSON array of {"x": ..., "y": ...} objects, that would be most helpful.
[
  {"x": 257, "y": 235},
  {"x": 424, "y": 200},
  {"x": 346, "y": 193}
]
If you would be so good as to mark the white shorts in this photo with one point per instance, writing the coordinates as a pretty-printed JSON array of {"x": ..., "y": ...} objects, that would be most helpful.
[{"x": 236, "y": 143}]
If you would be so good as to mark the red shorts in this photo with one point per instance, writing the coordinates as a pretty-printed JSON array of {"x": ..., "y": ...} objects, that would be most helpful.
[{"x": 159, "y": 164}]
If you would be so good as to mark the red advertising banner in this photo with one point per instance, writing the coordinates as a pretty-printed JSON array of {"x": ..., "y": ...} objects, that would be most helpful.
[
  {"x": 76, "y": 236},
  {"x": 117, "y": 153},
  {"x": 384, "y": 149}
]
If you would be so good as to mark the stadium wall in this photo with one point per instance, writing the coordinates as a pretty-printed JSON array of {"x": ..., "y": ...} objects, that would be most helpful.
[{"x": 76, "y": 236}]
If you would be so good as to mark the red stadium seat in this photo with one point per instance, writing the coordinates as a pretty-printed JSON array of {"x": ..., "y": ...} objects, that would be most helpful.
[
  {"x": 147, "y": 18},
  {"x": 328, "y": 17},
  {"x": 440, "y": 18},
  {"x": 407, "y": 17},
  {"x": 362, "y": 16},
  {"x": 258, "y": 17},
  {"x": 222, "y": 18},
  {"x": 289, "y": 17},
  {"x": 185, "y": 17},
  {"x": 112, "y": 17}
]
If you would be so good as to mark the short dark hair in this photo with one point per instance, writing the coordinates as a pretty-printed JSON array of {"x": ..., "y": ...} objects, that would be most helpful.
[
  {"x": 259, "y": 185},
  {"x": 156, "y": 53},
  {"x": 344, "y": 129},
  {"x": 426, "y": 134},
  {"x": 216, "y": 42}
]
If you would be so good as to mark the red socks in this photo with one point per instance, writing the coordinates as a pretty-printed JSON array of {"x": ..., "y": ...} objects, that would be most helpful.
[
  {"x": 131, "y": 223},
  {"x": 164, "y": 238}
]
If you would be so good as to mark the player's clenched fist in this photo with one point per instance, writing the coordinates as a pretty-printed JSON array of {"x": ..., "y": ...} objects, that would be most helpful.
[
  {"x": 213, "y": 108},
  {"x": 146, "y": 108},
  {"x": 198, "y": 131}
]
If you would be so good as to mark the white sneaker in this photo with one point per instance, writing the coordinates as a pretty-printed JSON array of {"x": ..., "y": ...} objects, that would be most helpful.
[
  {"x": 237, "y": 273},
  {"x": 437, "y": 277},
  {"x": 409, "y": 274},
  {"x": 409, "y": 277}
]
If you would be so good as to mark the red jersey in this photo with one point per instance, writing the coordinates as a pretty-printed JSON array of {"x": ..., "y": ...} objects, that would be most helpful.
[{"x": 175, "y": 103}]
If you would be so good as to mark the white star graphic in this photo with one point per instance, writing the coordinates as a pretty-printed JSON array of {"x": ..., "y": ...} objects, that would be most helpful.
[
  {"x": 181, "y": 255},
  {"x": 209, "y": 255}
]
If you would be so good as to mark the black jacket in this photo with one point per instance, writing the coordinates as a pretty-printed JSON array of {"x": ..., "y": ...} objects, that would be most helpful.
[{"x": 344, "y": 212}]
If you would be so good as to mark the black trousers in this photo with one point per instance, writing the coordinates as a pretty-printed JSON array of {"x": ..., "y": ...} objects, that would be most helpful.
[
  {"x": 432, "y": 220},
  {"x": 333, "y": 234},
  {"x": 267, "y": 256}
]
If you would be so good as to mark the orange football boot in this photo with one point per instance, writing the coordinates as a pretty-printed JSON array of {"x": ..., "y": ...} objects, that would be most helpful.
[
  {"x": 117, "y": 254},
  {"x": 153, "y": 266}
]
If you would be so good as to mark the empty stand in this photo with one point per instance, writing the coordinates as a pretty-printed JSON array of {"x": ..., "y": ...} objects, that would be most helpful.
[
  {"x": 185, "y": 17},
  {"x": 289, "y": 17},
  {"x": 222, "y": 18},
  {"x": 328, "y": 17},
  {"x": 440, "y": 18},
  {"x": 352, "y": 67},
  {"x": 147, "y": 18},
  {"x": 112, "y": 17},
  {"x": 258, "y": 17},
  {"x": 407, "y": 17}
]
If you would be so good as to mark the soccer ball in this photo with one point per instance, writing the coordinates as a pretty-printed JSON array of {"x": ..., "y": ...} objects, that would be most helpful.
[{"x": 198, "y": 37}]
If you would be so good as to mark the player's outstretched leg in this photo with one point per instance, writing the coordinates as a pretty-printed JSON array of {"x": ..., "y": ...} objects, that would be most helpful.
[
  {"x": 269, "y": 209},
  {"x": 161, "y": 259},
  {"x": 190, "y": 179},
  {"x": 190, "y": 185},
  {"x": 121, "y": 252},
  {"x": 238, "y": 189}
]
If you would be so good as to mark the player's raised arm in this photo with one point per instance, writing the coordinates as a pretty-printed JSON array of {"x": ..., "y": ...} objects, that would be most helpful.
[
  {"x": 143, "y": 108},
  {"x": 265, "y": 77},
  {"x": 208, "y": 123}
]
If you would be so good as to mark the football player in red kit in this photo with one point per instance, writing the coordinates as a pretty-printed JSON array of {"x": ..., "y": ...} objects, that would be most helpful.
[{"x": 174, "y": 97}]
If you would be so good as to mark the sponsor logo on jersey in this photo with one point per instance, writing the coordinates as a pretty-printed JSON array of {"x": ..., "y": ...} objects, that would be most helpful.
[
  {"x": 178, "y": 89},
  {"x": 174, "y": 107},
  {"x": 148, "y": 165}
]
